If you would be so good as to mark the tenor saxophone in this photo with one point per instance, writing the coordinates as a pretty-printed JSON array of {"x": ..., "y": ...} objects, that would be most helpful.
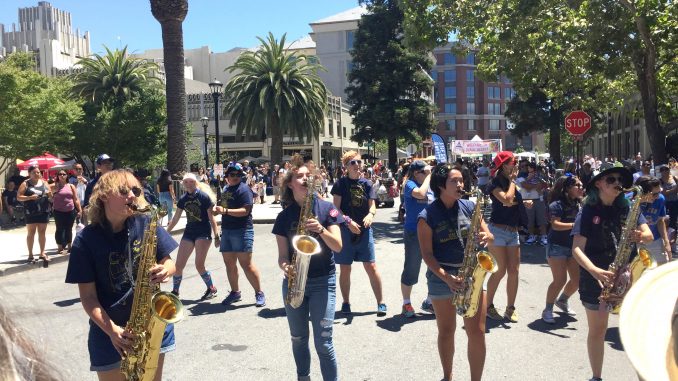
[
  {"x": 152, "y": 310},
  {"x": 625, "y": 273},
  {"x": 304, "y": 247},
  {"x": 476, "y": 265}
]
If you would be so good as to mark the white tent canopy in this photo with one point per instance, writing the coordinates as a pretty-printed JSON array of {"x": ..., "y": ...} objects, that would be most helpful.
[
  {"x": 525, "y": 154},
  {"x": 67, "y": 165}
]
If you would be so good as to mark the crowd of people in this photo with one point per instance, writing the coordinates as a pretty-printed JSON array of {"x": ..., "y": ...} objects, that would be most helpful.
[{"x": 577, "y": 214}]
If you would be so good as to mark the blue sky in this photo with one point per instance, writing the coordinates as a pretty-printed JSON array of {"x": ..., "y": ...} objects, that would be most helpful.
[{"x": 219, "y": 24}]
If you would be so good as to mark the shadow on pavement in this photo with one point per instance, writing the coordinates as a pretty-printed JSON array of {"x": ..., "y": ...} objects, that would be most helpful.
[
  {"x": 268, "y": 313},
  {"x": 612, "y": 337},
  {"x": 382, "y": 230},
  {"x": 67, "y": 302},
  {"x": 338, "y": 315},
  {"x": 396, "y": 322},
  {"x": 491, "y": 323},
  {"x": 214, "y": 308},
  {"x": 533, "y": 254},
  {"x": 561, "y": 323}
]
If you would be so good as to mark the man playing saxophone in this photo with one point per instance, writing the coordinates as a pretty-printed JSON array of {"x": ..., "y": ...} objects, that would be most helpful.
[
  {"x": 103, "y": 262},
  {"x": 597, "y": 236},
  {"x": 320, "y": 291},
  {"x": 443, "y": 229}
]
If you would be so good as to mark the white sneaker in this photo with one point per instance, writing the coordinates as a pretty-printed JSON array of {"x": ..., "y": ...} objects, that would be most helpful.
[
  {"x": 547, "y": 317},
  {"x": 544, "y": 240},
  {"x": 531, "y": 240},
  {"x": 565, "y": 307}
]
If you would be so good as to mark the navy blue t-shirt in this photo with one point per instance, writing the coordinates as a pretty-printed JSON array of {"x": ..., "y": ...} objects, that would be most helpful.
[
  {"x": 354, "y": 197},
  {"x": 567, "y": 214},
  {"x": 512, "y": 215},
  {"x": 286, "y": 225},
  {"x": 196, "y": 206},
  {"x": 89, "y": 188},
  {"x": 236, "y": 197},
  {"x": 447, "y": 226},
  {"x": 111, "y": 260}
]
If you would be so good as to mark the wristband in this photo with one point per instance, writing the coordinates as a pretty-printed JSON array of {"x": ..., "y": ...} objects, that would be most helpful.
[{"x": 347, "y": 219}]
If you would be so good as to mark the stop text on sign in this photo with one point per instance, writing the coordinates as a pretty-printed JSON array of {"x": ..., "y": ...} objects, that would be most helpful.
[{"x": 578, "y": 122}]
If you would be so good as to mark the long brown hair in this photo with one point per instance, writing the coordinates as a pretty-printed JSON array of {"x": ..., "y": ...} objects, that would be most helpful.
[{"x": 286, "y": 194}]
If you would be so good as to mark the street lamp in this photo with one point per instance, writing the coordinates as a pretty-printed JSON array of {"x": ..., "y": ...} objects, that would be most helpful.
[
  {"x": 205, "y": 122},
  {"x": 368, "y": 130},
  {"x": 215, "y": 87}
]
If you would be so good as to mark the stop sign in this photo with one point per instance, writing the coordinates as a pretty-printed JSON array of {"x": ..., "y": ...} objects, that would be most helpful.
[{"x": 577, "y": 122}]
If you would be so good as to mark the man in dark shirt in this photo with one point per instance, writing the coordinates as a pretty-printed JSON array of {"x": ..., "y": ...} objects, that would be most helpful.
[{"x": 104, "y": 165}]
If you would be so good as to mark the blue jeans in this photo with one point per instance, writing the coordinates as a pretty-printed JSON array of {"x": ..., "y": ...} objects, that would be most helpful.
[
  {"x": 166, "y": 199},
  {"x": 410, "y": 275},
  {"x": 319, "y": 302}
]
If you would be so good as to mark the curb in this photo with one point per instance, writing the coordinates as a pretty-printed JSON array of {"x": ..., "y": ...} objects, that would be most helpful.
[{"x": 58, "y": 258}]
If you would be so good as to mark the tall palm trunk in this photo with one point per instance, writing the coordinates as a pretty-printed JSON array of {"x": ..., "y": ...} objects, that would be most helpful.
[
  {"x": 276, "y": 140},
  {"x": 171, "y": 14}
]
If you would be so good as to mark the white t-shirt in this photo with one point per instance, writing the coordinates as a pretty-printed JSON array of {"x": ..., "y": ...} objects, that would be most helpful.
[
  {"x": 483, "y": 175},
  {"x": 526, "y": 194}
]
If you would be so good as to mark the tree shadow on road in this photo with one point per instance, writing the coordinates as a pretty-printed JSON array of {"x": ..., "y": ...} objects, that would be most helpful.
[
  {"x": 214, "y": 308},
  {"x": 387, "y": 231},
  {"x": 396, "y": 322},
  {"x": 268, "y": 313},
  {"x": 533, "y": 254},
  {"x": 67, "y": 302},
  {"x": 561, "y": 323},
  {"x": 612, "y": 337}
]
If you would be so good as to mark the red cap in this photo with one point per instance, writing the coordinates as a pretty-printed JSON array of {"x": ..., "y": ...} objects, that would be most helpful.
[{"x": 501, "y": 158}]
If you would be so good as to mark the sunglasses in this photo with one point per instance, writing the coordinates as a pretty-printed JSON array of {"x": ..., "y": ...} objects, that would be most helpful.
[
  {"x": 613, "y": 179},
  {"x": 233, "y": 174},
  {"x": 124, "y": 191},
  {"x": 354, "y": 162},
  {"x": 62, "y": 174}
]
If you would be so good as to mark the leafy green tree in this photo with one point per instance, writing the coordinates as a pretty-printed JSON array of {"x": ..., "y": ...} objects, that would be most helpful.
[
  {"x": 171, "y": 14},
  {"x": 587, "y": 54},
  {"x": 389, "y": 84},
  {"x": 36, "y": 112},
  {"x": 275, "y": 91}
]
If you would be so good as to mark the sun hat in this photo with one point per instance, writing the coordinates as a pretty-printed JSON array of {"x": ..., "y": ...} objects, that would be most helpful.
[
  {"x": 190, "y": 176},
  {"x": 646, "y": 319},
  {"x": 627, "y": 177},
  {"x": 501, "y": 158}
]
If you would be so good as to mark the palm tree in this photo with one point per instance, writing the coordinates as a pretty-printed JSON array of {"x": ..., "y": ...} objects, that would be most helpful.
[
  {"x": 114, "y": 77},
  {"x": 277, "y": 91},
  {"x": 171, "y": 14}
]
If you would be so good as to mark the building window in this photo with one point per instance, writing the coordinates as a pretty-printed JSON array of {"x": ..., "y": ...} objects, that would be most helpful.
[
  {"x": 493, "y": 92},
  {"x": 471, "y": 59},
  {"x": 450, "y": 108},
  {"x": 451, "y": 125},
  {"x": 349, "y": 67},
  {"x": 470, "y": 108},
  {"x": 350, "y": 35},
  {"x": 470, "y": 76},
  {"x": 494, "y": 125},
  {"x": 471, "y": 125},
  {"x": 450, "y": 92},
  {"x": 494, "y": 108},
  {"x": 450, "y": 59},
  {"x": 450, "y": 76},
  {"x": 434, "y": 76},
  {"x": 509, "y": 93},
  {"x": 331, "y": 127},
  {"x": 470, "y": 92}
]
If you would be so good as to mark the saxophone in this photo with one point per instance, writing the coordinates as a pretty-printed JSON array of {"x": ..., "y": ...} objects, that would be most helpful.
[
  {"x": 625, "y": 273},
  {"x": 304, "y": 246},
  {"x": 152, "y": 310},
  {"x": 476, "y": 265}
]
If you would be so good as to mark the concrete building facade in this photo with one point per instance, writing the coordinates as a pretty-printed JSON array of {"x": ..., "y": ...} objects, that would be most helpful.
[{"x": 48, "y": 32}]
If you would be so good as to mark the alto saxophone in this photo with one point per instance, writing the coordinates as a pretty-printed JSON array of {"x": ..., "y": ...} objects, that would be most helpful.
[
  {"x": 152, "y": 310},
  {"x": 304, "y": 246},
  {"x": 625, "y": 273},
  {"x": 476, "y": 265}
]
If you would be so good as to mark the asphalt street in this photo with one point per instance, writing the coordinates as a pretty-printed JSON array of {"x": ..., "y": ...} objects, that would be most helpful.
[{"x": 243, "y": 342}]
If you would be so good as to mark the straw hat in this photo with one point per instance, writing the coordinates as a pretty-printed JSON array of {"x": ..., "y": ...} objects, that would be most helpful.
[{"x": 646, "y": 319}]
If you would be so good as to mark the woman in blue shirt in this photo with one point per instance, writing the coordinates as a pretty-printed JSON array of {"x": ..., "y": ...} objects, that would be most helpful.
[
  {"x": 653, "y": 208},
  {"x": 441, "y": 229},
  {"x": 320, "y": 293}
]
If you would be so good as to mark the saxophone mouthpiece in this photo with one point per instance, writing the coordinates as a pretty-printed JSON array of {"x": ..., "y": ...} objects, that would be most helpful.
[
  {"x": 139, "y": 209},
  {"x": 619, "y": 188}
]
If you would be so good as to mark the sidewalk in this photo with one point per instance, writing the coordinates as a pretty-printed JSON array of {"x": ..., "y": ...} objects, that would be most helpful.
[{"x": 13, "y": 252}]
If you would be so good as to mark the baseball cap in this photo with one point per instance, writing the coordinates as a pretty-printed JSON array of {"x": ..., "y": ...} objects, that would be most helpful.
[
  {"x": 417, "y": 165},
  {"x": 234, "y": 167},
  {"x": 501, "y": 158},
  {"x": 103, "y": 157}
]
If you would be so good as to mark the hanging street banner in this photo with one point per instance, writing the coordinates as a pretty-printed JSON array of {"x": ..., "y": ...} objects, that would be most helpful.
[
  {"x": 439, "y": 148},
  {"x": 475, "y": 147}
]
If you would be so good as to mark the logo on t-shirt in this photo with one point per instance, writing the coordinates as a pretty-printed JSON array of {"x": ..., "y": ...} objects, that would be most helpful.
[
  {"x": 596, "y": 220},
  {"x": 334, "y": 213},
  {"x": 357, "y": 195}
]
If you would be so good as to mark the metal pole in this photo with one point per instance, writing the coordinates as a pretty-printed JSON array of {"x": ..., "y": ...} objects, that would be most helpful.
[
  {"x": 207, "y": 160},
  {"x": 216, "y": 132}
]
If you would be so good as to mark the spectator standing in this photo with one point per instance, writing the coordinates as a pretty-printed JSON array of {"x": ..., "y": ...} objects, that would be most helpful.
[
  {"x": 644, "y": 170},
  {"x": 80, "y": 183},
  {"x": 104, "y": 164},
  {"x": 165, "y": 191},
  {"x": 9, "y": 200},
  {"x": 670, "y": 191},
  {"x": 35, "y": 194},
  {"x": 275, "y": 182},
  {"x": 531, "y": 189},
  {"x": 483, "y": 175},
  {"x": 653, "y": 207},
  {"x": 66, "y": 209}
]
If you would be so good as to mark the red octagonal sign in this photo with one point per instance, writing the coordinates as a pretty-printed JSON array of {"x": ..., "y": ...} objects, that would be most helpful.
[{"x": 578, "y": 122}]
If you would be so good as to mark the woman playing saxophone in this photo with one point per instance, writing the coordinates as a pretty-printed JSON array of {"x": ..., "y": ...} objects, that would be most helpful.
[
  {"x": 320, "y": 291},
  {"x": 443, "y": 229},
  {"x": 103, "y": 262},
  {"x": 597, "y": 232}
]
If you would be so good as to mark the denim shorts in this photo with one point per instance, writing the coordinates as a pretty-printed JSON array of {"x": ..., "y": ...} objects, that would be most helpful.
[
  {"x": 557, "y": 251},
  {"x": 437, "y": 289},
  {"x": 103, "y": 356},
  {"x": 358, "y": 249},
  {"x": 194, "y": 235},
  {"x": 503, "y": 236},
  {"x": 237, "y": 240}
]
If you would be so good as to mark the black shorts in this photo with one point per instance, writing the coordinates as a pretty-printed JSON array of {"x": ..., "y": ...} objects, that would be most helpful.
[{"x": 38, "y": 218}]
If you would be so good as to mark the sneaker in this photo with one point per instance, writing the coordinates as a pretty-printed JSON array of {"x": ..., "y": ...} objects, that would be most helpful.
[
  {"x": 531, "y": 240},
  {"x": 346, "y": 308},
  {"x": 427, "y": 306},
  {"x": 596, "y": 379},
  {"x": 381, "y": 309},
  {"x": 565, "y": 307},
  {"x": 547, "y": 317},
  {"x": 261, "y": 299},
  {"x": 210, "y": 293},
  {"x": 493, "y": 314},
  {"x": 408, "y": 310},
  {"x": 175, "y": 293},
  {"x": 233, "y": 296},
  {"x": 544, "y": 240},
  {"x": 511, "y": 315}
]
